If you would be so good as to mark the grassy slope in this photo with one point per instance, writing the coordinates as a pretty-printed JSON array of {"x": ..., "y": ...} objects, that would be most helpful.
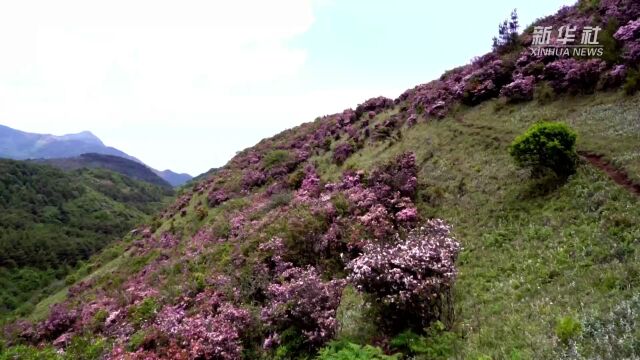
[{"x": 530, "y": 257}]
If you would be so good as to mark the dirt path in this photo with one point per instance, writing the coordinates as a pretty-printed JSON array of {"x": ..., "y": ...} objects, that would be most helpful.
[{"x": 617, "y": 175}]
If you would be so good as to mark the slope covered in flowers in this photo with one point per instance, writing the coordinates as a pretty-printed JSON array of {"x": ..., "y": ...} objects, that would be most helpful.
[{"x": 340, "y": 229}]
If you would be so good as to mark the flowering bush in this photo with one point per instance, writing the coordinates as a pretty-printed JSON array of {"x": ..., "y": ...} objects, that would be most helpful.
[
  {"x": 347, "y": 117},
  {"x": 310, "y": 185},
  {"x": 399, "y": 175},
  {"x": 342, "y": 152},
  {"x": 212, "y": 332},
  {"x": 18, "y": 331},
  {"x": 217, "y": 197},
  {"x": 253, "y": 178},
  {"x": 214, "y": 336},
  {"x": 519, "y": 90},
  {"x": 629, "y": 35},
  {"x": 377, "y": 220},
  {"x": 60, "y": 320},
  {"x": 432, "y": 99},
  {"x": 621, "y": 10},
  {"x": 574, "y": 76},
  {"x": 301, "y": 299},
  {"x": 375, "y": 105},
  {"x": 411, "y": 274},
  {"x": 412, "y": 120},
  {"x": 530, "y": 65},
  {"x": 407, "y": 215},
  {"x": 614, "y": 77},
  {"x": 485, "y": 82},
  {"x": 168, "y": 240}
]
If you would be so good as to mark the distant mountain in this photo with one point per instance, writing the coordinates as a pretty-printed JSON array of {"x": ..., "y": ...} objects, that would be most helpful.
[
  {"x": 173, "y": 178},
  {"x": 130, "y": 168},
  {"x": 20, "y": 145}
]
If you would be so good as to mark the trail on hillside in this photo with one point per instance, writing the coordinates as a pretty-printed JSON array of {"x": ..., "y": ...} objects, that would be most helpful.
[{"x": 617, "y": 175}]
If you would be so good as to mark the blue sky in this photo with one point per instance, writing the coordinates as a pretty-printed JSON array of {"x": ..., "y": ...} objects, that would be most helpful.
[{"x": 184, "y": 85}]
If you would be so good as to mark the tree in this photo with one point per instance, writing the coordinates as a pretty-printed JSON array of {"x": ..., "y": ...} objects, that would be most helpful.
[{"x": 507, "y": 33}]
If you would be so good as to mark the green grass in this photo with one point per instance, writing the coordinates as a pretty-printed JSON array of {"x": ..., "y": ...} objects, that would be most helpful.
[
  {"x": 41, "y": 309},
  {"x": 534, "y": 252}
]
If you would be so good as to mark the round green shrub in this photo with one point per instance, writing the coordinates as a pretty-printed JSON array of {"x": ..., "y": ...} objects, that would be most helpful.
[{"x": 546, "y": 145}]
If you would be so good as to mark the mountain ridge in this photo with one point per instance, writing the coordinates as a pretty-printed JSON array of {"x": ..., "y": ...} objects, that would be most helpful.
[
  {"x": 133, "y": 169},
  {"x": 20, "y": 145}
]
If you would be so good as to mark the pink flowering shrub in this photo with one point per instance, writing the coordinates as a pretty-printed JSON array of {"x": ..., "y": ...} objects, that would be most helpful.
[
  {"x": 253, "y": 178},
  {"x": 375, "y": 201},
  {"x": 300, "y": 299},
  {"x": 341, "y": 152},
  {"x": 217, "y": 197},
  {"x": 519, "y": 90},
  {"x": 432, "y": 99},
  {"x": 310, "y": 186},
  {"x": 407, "y": 215},
  {"x": 485, "y": 82},
  {"x": 375, "y": 105},
  {"x": 412, "y": 120},
  {"x": 168, "y": 240},
  {"x": 529, "y": 64},
  {"x": 620, "y": 10},
  {"x": 61, "y": 319},
  {"x": 387, "y": 129},
  {"x": 214, "y": 336},
  {"x": 614, "y": 77},
  {"x": 410, "y": 275},
  {"x": 19, "y": 331},
  {"x": 199, "y": 242},
  {"x": 377, "y": 219},
  {"x": 399, "y": 175},
  {"x": 214, "y": 331},
  {"x": 347, "y": 117},
  {"x": 574, "y": 76},
  {"x": 181, "y": 203},
  {"x": 629, "y": 35}
]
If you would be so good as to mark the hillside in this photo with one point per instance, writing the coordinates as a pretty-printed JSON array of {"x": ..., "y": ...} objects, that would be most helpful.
[
  {"x": 130, "y": 168},
  {"x": 51, "y": 221},
  {"x": 69, "y": 152},
  {"x": 401, "y": 229}
]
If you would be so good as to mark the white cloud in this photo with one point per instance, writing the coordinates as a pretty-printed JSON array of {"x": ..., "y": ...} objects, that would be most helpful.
[{"x": 110, "y": 66}]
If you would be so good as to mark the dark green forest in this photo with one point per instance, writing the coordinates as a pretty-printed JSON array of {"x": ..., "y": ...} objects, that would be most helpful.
[{"x": 51, "y": 221}]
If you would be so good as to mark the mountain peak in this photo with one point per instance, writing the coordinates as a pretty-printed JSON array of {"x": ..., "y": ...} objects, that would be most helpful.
[{"x": 84, "y": 136}]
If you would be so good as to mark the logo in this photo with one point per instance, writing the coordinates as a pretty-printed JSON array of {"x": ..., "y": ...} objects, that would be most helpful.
[{"x": 566, "y": 44}]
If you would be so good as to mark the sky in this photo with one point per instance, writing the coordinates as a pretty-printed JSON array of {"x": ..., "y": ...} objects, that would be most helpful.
[{"x": 184, "y": 85}]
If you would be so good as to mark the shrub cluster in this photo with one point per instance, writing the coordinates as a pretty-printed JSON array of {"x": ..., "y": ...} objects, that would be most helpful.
[
  {"x": 411, "y": 275},
  {"x": 546, "y": 145}
]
